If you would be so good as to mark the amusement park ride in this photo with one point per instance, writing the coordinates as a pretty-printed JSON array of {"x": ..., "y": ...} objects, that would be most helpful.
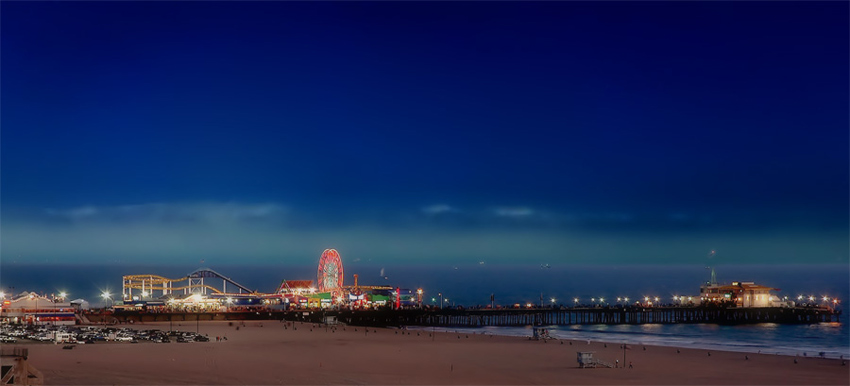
[{"x": 203, "y": 283}]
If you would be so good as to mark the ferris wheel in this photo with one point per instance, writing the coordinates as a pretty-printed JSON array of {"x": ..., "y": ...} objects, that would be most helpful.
[{"x": 330, "y": 271}]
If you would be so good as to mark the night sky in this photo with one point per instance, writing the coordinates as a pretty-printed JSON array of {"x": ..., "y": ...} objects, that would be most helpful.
[{"x": 444, "y": 133}]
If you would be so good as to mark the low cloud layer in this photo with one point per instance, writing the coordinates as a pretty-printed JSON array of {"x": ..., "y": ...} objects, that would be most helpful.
[
  {"x": 165, "y": 233},
  {"x": 163, "y": 213}
]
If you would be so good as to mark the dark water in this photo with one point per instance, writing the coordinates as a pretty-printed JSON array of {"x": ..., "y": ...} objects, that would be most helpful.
[{"x": 473, "y": 284}]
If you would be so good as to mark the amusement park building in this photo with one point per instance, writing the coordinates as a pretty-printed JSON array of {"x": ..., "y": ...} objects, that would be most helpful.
[{"x": 31, "y": 308}]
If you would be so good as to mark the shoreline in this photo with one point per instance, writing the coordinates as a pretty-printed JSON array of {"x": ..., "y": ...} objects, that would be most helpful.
[
  {"x": 764, "y": 350},
  {"x": 271, "y": 352}
]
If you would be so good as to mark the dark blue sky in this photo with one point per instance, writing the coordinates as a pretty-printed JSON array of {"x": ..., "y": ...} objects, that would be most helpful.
[{"x": 600, "y": 131}]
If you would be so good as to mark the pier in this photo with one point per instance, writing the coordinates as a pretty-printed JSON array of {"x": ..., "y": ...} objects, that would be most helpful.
[
  {"x": 502, "y": 317},
  {"x": 579, "y": 316}
]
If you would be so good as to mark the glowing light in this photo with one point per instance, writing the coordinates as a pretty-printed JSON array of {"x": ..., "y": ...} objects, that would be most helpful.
[
  {"x": 811, "y": 298},
  {"x": 646, "y": 298},
  {"x": 826, "y": 298},
  {"x": 229, "y": 300},
  {"x": 619, "y": 299},
  {"x": 419, "y": 291},
  {"x": 626, "y": 299},
  {"x": 144, "y": 293},
  {"x": 593, "y": 300},
  {"x": 553, "y": 300},
  {"x": 63, "y": 294},
  {"x": 601, "y": 300},
  {"x": 575, "y": 300},
  {"x": 800, "y": 297},
  {"x": 105, "y": 295},
  {"x": 2, "y": 295},
  {"x": 656, "y": 298}
]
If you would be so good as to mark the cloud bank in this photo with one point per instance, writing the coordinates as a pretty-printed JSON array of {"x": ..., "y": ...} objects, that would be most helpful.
[{"x": 230, "y": 233}]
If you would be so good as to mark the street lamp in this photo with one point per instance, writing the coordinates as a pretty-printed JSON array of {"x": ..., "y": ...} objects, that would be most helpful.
[
  {"x": 440, "y": 294},
  {"x": 106, "y": 296},
  {"x": 575, "y": 301},
  {"x": 419, "y": 292},
  {"x": 32, "y": 296}
]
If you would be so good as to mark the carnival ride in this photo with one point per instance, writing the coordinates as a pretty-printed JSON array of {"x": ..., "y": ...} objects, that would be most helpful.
[
  {"x": 191, "y": 284},
  {"x": 330, "y": 274}
]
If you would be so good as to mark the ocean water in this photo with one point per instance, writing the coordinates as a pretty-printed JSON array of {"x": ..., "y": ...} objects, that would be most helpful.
[{"x": 471, "y": 285}]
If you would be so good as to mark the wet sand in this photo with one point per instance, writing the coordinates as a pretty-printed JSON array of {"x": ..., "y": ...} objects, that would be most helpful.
[{"x": 310, "y": 355}]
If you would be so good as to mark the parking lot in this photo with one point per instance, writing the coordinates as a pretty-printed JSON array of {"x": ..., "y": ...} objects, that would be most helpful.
[{"x": 93, "y": 335}]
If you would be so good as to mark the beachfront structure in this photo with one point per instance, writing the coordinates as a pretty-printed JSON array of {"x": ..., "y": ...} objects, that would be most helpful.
[
  {"x": 740, "y": 294},
  {"x": 35, "y": 309}
]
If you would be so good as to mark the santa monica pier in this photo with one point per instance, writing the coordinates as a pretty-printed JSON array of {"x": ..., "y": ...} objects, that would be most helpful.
[{"x": 209, "y": 295}]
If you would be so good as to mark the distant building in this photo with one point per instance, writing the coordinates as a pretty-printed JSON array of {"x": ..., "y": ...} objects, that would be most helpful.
[
  {"x": 34, "y": 309},
  {"x": 740, "y": 294}
]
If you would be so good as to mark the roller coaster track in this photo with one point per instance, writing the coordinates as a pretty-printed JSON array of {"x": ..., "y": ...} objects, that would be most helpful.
[{"x": 195, "y": 281}]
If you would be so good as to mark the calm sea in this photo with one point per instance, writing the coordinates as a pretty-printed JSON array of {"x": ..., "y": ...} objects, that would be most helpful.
[{"x": 471, "y": 285}]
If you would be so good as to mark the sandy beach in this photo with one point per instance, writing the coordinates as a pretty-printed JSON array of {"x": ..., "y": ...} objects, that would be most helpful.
[{"x": 268, "y": 353}]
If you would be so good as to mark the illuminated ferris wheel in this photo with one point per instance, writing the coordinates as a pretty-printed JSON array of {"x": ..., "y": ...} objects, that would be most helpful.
[{"x": 330, "y": 271}]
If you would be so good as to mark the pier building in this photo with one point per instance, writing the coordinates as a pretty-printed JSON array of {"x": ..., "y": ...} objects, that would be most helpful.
[
  {"x": 740, "y": 294},
  {"x": 32, "y": 308}
]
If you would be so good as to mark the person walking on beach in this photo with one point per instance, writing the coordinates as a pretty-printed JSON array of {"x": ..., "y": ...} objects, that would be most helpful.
[{"x": 630, "y": 364}]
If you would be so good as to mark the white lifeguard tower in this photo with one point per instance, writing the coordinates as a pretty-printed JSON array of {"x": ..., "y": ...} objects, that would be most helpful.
[
  {"x": 538, "y": 333},
  {"x": 586, "y": 360}
]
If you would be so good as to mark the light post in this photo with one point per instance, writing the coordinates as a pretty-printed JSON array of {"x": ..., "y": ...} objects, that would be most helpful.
[
  {"x": 35, "y": 317},
  {"x": 441, "y": 299},
  {"x": 575, "y": 302},
  {"x": 419, "y": 292},
  {"x": 107, "y": 297},
  {"x": 553, "y": 302}
]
